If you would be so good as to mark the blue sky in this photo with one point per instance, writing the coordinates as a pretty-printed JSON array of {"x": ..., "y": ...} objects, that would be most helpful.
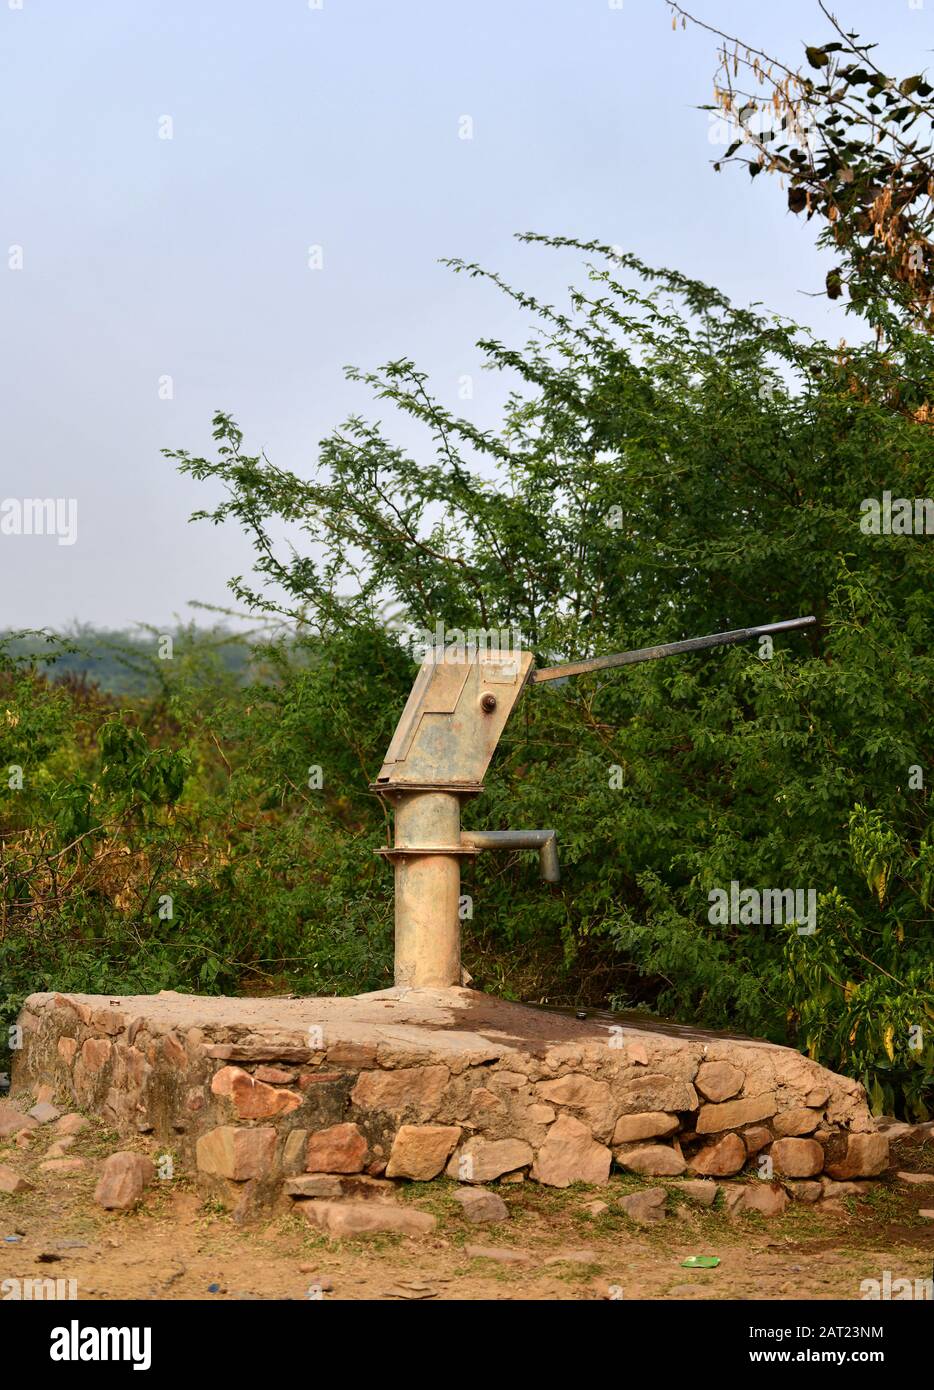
[{"x": 338, "y": 127}]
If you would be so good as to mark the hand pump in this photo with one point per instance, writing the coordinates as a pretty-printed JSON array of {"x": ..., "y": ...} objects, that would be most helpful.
[{"x": 442, "y": 746}]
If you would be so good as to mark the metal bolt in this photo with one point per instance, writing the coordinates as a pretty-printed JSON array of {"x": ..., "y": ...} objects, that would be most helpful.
[{"x": 488, "y": 703}]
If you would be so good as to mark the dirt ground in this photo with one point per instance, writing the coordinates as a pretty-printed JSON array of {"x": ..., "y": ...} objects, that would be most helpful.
[{"x": 176, "y": 1246}]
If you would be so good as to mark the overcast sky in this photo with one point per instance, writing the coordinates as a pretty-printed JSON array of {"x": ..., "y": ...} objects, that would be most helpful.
[{"x": 338, "y": 127}]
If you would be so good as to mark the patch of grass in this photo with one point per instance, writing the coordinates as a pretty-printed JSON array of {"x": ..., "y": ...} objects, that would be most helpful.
[
  {"x": 376, "y": 1243},
  {"x": 886, "y": 1202},
  {"x": 801, "y": 1219},
  {"x": 436, "y": 1197},
  {"x": 608, "y": 1223},
  {"x": 98, "y": 1142}
]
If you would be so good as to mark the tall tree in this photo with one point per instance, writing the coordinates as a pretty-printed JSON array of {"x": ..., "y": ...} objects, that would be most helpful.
[{"x": 852, "y": 145}]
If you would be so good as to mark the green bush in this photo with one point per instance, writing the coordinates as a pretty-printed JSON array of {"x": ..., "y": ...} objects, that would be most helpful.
[{"x": 667, "y": 465}]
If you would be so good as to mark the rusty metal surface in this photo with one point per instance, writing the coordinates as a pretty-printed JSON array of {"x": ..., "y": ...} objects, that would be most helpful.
[{"x": 445, "y": 734}]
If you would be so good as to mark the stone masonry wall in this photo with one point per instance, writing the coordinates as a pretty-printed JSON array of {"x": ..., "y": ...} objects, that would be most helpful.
[{"x": 256, "y": 1110}]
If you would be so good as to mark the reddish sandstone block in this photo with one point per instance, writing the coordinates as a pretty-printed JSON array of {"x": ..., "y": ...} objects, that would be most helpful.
[
  {"x": 312, "y": 1078},
  {"x": 173, "y": 1052},
  {"x": 95, "y": 1053},
  {"x": 722, "y": 1158},
  {"x": 718, "y": 1081},
  {"x": 365, "y": 1218},
  {"x": 338, "y": 1149},
  {"x": 421, "y": 1151},
  {"x": 866, "y": 1156},
  {"x": 352, "y": 1055},
  {"x": 274, "y": 1076},
  {"x": 416, "y": 1089},
  {"x": 794, "y": 1123},
  {"x": 570, "y": 1154},
  {"x": 734, "y": 1113},
  {"x": 797, "y": 1158},
  {"x": 122, "y": 1181},
  {"x": 233, "y": 1152},
  {"x": 252, "y": 1099}
]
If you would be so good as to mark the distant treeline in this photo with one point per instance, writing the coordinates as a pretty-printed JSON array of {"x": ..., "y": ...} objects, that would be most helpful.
[{"x": 129, "y": 661}]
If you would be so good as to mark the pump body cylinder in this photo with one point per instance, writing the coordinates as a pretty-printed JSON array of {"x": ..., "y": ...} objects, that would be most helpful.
[{"x": 427, "y": 883}]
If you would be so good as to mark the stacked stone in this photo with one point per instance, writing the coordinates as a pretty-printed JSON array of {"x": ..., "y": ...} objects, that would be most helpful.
[{"x": 250, "y": 1109}]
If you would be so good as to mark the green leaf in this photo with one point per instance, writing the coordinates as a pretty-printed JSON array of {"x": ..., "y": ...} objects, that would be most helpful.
[
  {"x": 834, "y": 284},
  {"x": 817, "y": 57}
]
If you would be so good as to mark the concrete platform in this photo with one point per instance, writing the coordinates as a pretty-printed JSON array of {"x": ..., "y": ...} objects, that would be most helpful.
[{"x": 332, "y": 1094}]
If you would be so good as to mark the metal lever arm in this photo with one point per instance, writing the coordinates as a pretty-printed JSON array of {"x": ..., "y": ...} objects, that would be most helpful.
[{"x": 693, "y": 644}]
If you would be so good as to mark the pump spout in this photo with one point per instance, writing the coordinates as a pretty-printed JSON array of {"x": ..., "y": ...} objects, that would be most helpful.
[
  {"x": 545, "y": 841},
  {"x": 693, "y": 644}
]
